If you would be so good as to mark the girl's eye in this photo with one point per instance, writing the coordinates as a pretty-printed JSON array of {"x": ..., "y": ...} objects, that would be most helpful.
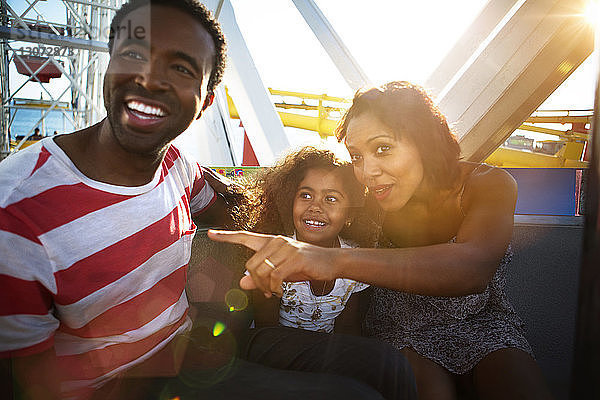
[
  {"x": 382, "y": 149},
  {"x": 305, "y": 195}
]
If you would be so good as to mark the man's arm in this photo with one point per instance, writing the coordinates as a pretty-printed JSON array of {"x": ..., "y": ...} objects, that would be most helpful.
[
  {"x": 27, "y": 322},
  {"x": 217, "y": 214},
  {"x": 228, "y": 196}
]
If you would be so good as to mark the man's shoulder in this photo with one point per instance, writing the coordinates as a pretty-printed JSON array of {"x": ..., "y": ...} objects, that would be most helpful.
[
  {"x": 18, "y": 168},
  {"x": 174, "y": 153},
  {"x": 184, "y": 163}
]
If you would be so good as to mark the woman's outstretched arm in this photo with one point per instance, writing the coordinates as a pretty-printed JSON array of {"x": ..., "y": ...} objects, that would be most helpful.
[{"x": 447, "y": 269}]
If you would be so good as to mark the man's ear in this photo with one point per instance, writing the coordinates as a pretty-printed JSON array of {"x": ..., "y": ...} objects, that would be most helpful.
[
  {"x": 210, "y": 101},
  {"x": 207, "y": 103}
]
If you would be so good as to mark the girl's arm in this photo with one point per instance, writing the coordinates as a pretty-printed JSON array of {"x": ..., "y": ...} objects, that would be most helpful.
[
  {"x": 447, "y": 269},
  {"x": 266, "y": 310}
]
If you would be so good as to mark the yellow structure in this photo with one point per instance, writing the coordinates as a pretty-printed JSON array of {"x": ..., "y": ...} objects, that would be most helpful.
[{"x": 321, "y": 114}]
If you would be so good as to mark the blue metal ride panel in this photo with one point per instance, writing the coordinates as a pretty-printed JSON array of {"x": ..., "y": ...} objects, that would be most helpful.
[{"x": 546, "y": 191}]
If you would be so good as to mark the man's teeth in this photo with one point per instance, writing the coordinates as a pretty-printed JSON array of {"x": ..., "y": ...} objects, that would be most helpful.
[
  {"x": 146, "y": 109},
  {"x": 314, "y": 223}
]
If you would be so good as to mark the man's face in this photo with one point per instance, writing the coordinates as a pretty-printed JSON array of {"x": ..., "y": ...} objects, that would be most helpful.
[{"x": 155, "y": 84}]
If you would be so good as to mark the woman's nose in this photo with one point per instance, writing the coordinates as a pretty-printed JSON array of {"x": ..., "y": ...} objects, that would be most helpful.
[{"x": 371, "y": 168}]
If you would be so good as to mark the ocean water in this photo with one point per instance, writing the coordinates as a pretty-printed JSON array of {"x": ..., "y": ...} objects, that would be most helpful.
[{"x": 25, "y": 119}]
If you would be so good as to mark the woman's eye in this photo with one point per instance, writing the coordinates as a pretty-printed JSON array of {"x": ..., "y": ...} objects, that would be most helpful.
[
  {"x": 382, "y": 149},
  {"x": 331, "y": 199},
  {"x": 355, "y": 157}
]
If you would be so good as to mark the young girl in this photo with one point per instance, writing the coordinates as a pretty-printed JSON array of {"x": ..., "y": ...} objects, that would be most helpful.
[{"x": 311, "y": 196}]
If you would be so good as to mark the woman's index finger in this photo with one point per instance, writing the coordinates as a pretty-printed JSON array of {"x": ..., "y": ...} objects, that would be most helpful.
[{"x": 253, "y": 241}]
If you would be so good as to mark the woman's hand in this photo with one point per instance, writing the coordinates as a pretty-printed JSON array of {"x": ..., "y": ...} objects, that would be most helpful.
[{"x": 279, "y": 258}]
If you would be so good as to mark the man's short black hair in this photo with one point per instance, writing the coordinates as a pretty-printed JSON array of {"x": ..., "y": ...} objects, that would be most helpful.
[{"x": 198, "y": 11}]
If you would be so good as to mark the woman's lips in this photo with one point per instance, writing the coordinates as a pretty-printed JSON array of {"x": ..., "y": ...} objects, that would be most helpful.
[{"x": 381, "y": 192}]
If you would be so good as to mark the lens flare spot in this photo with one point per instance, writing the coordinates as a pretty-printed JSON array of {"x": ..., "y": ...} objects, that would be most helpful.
[
  {"x": 219, "y": 328},
  {"x": 236, "y": 300}
]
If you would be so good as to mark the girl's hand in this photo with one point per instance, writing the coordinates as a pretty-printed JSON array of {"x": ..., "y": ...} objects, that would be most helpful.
[{"x": 290, "y": 260}]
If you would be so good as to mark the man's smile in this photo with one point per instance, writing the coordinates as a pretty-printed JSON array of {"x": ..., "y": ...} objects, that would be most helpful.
[
  {"x": 145, "y": 109},
  {"x": 142, "y": 113}
]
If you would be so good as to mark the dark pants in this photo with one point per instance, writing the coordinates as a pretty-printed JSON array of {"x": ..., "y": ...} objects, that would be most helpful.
[
  {"x": 244, "y": 380},
  {"x": 367, "y": 360},
  {"x": 278, "y": 363}
]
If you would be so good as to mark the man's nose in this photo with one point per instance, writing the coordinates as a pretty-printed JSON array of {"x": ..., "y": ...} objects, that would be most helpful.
[{"x": 153, "y": 77}]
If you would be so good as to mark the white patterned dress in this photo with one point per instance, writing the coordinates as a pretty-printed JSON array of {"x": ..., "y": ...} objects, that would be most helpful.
[{"x": 300, "y": 308}]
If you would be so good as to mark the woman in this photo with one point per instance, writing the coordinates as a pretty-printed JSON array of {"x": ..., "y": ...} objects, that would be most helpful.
[{"x": 446, "y": 225}]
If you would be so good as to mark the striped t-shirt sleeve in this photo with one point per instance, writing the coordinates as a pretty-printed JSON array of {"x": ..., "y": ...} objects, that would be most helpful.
[
  {"x": 202, "y": 194},
  {"x": 27, "y": 324}
]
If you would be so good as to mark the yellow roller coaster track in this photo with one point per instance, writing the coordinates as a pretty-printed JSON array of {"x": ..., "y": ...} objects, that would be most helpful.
[{"x": 320, "y": 113}]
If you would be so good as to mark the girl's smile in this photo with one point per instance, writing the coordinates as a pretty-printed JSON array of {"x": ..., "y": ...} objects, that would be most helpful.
[{"x": 320, "y": 207}]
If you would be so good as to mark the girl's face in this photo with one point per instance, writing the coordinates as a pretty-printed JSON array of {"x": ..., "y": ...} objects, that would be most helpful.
[
  {"x": 320, "y": 207},
  {"x": 390, "y": 166}
]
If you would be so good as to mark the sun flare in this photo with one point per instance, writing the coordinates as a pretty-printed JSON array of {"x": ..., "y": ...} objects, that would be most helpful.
[{"x": 592, "y": 13}]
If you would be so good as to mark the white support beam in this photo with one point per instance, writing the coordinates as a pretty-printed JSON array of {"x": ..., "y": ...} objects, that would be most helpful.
[
  {"x": 333, "y": 44},
  {"x": 527, "y": 59},
  {"x": 480, "y": 29},
  {"x": 251, "y": 97}
]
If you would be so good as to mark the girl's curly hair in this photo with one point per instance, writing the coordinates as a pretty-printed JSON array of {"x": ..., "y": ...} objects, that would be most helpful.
[{"x": 270, "y": 196}]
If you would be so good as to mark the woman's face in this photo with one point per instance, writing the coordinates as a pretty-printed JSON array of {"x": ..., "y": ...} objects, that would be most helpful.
[
  {"x": 320, "y": 207},
  {"x": 389, "y": 165}
]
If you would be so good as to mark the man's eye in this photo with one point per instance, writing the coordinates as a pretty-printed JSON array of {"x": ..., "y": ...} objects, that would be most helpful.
[
  {"x": 132, "y": 54},
  {"x": 183, "y": 69},
  {"x": 382, "y": 149}
]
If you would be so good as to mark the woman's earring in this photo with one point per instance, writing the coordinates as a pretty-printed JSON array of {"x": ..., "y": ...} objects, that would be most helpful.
[{"x": 348, "y": 223}]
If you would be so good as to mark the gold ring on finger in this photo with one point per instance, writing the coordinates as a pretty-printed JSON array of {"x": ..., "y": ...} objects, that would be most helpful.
[{"x": 269, "y": 263}]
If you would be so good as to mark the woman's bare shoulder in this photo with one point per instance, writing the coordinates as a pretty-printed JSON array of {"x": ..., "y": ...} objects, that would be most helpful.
[
  {"x": 487, "y": 181},
  {"x": 486, "y": 176}
]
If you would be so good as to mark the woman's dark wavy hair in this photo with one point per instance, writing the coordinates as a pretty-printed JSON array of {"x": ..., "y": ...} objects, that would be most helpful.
[
  {"x": 270, "y": 196},
  {"x": 410, "y": 113},
  {"x": 198, "y": 11}
]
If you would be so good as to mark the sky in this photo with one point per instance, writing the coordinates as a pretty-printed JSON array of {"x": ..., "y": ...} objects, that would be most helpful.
[{"x": 390, "y": 39}]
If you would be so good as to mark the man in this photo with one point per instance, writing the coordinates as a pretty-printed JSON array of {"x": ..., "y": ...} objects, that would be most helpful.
[{"x": 96, "y": 228}]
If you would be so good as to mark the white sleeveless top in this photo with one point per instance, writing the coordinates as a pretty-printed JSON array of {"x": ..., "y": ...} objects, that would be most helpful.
[{"x": 301, "y": 308}]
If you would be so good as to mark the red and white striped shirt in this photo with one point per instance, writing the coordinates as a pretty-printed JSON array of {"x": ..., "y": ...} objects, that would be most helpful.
[{"x": 96, "y": 270}]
